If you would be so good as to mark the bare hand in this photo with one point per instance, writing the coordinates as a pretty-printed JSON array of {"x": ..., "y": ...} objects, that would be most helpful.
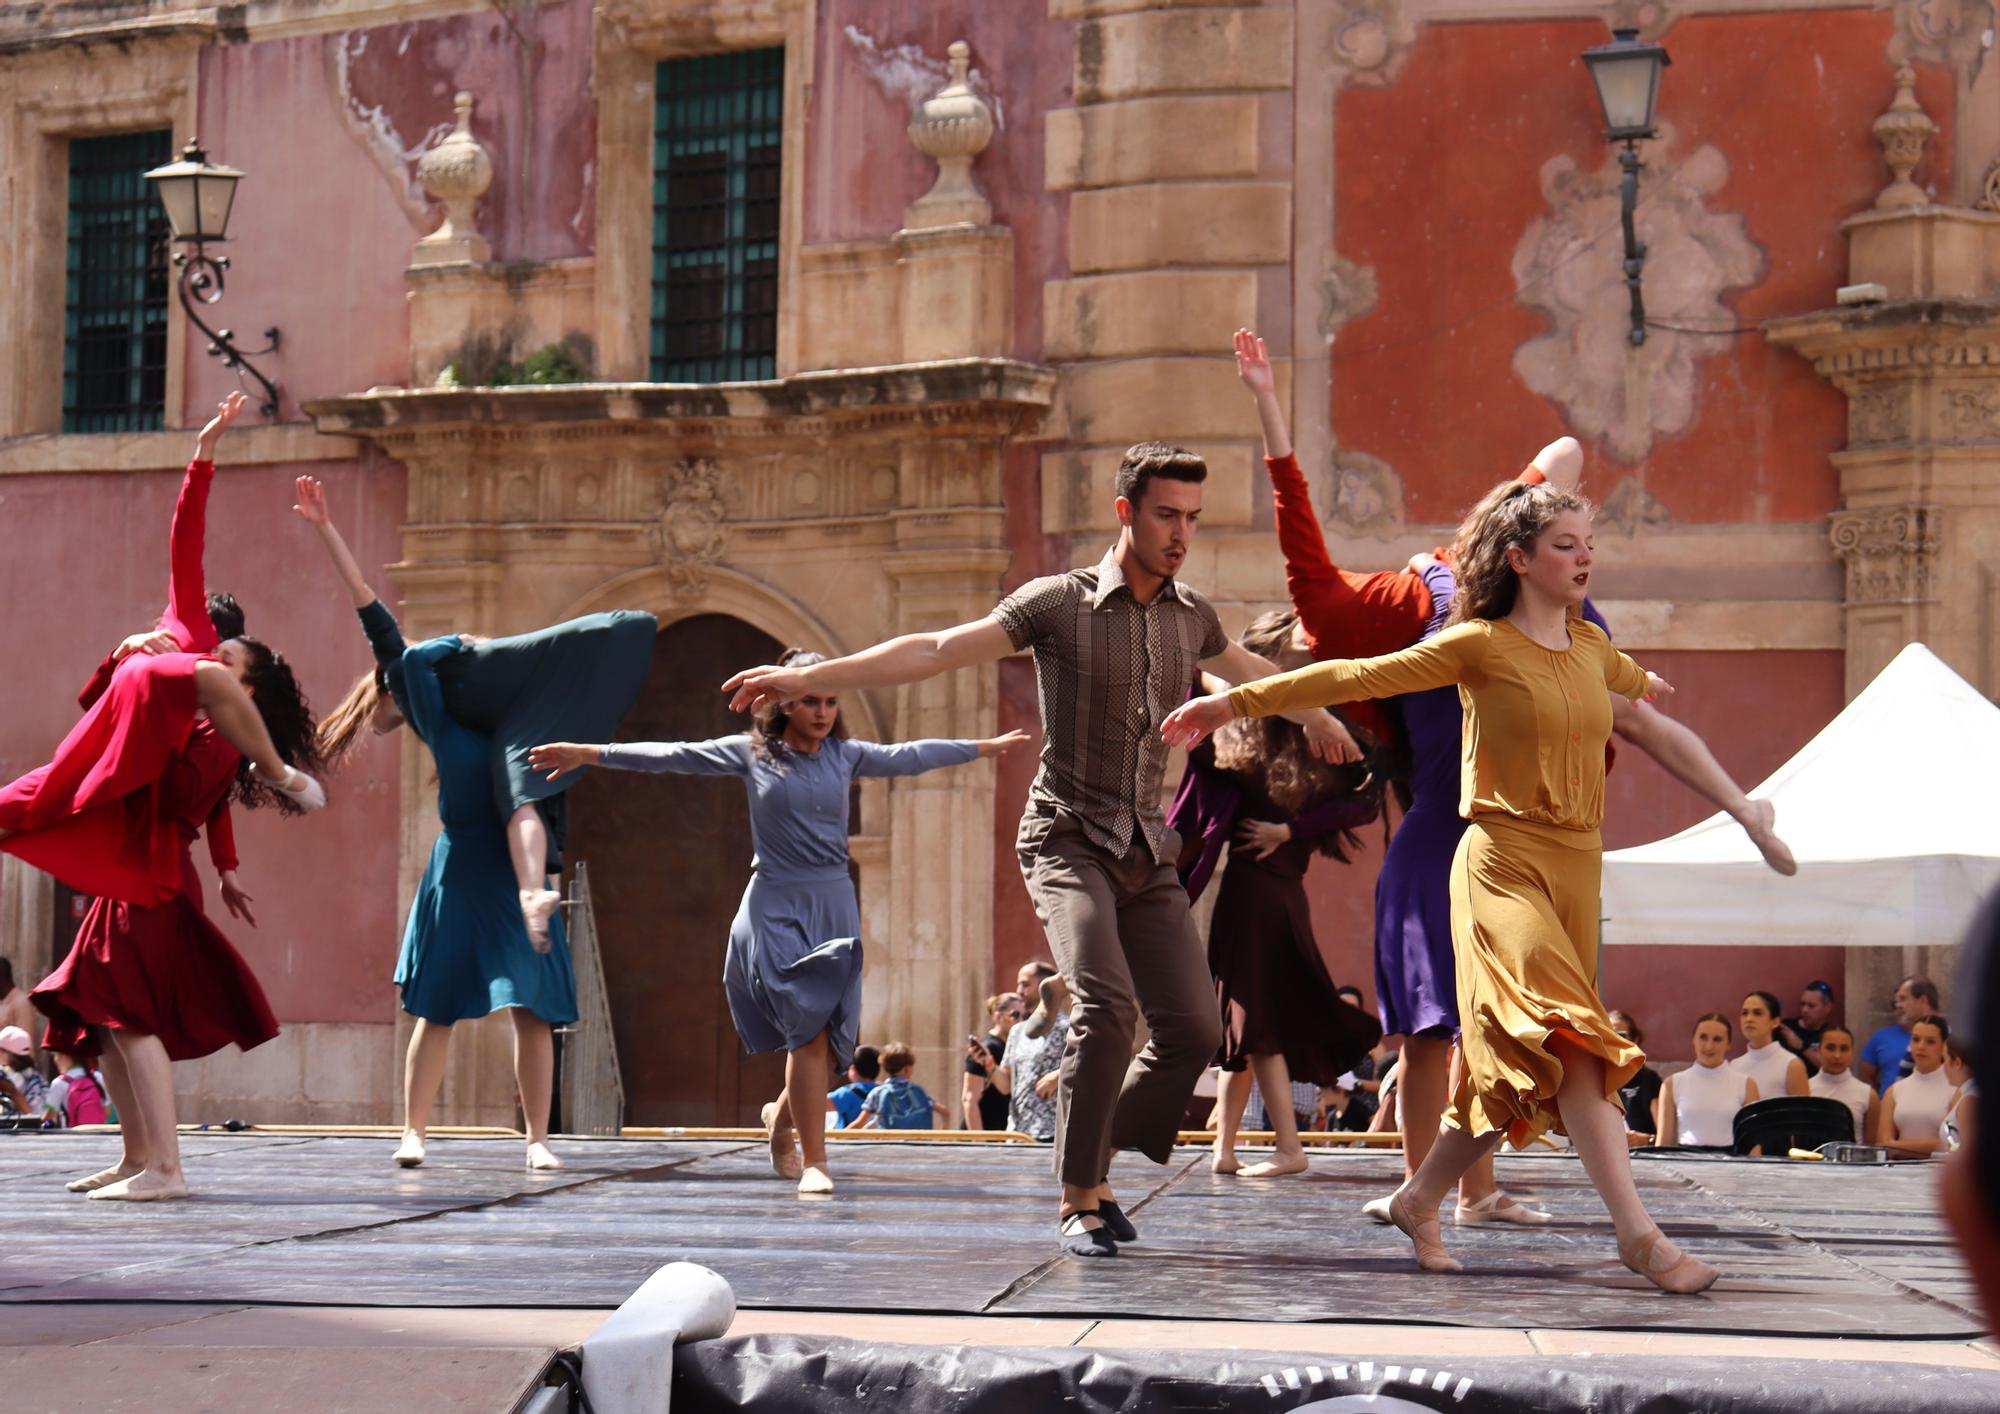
[
  {"x": 1253, "y": 364},
  {"x": 157, "y": 641},
  {"x": 1262, "y": 839},
  {"x": 226, "y": 412},
  {"x": 994, "y": 746},
  {"x": 1046, "y": 1086},
  {"x": 311, "y": 505},
  {"x": 1330, "y": 739},
  {"x": 980, "y": 1056},
  {"x": 753, "y": 687},
  {"x": 559, "y": 757},
  {"x": 1195, "y": 720},
  {"x": 233, "y": 897},
  {"x": 1657, "y": 687}
]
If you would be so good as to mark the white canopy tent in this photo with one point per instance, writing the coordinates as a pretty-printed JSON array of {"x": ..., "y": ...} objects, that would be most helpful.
[{"x": 1890, "y": 812}]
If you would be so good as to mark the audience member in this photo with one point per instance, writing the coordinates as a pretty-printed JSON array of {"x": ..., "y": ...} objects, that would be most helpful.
[
  {"x": 1039, "y": 976},
  {"x": 1884, "y": 1060},
  {"x": 1698, "y": 1105},
  {"x": 899, "y": 1102},
  {"x": 1028, "y": 981},
  {"x": 1776, "y": 1070},
  {"x": 1030, "y": 1067},
  {"x": 982, "y": 1105},
  {"x": 1641, "y": 1095},
  {"x": 21, "y": 1085},
  {"x": 861, "y": 1076},
  {"x": 1912, "y": 1114},
  {"x": 1800, "y": 1034},
  {"x": 1958, "y": 1070},
  {"x": 75, "y": 1096},
  {"x": 15, "y": 1008},
  {"x": 1972, "y": 1175},
  {"x": 1837, "y": 1081}
]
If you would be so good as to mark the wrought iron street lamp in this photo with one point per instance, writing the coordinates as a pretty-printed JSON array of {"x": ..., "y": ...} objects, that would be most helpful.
[
  {"x": 1627, "y": 74},
  {"x": 198, "y": 196}
]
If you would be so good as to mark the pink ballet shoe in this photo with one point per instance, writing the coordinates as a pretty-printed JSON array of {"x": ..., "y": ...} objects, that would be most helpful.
[
  {"x": 1498, "y": 1207},
  {"x": 785, "y": 1160},
  {"x": 1666, "y": 1266},
  {"x": 1424, "y": 1235}
]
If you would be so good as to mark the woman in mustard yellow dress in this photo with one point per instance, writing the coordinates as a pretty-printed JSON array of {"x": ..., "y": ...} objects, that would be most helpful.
[{"x": 1533, "y": 675}]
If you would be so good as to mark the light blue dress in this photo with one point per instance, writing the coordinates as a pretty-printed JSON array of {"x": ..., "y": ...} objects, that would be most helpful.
[
  {"x": 793, "y": 968},
  {"x": 465, "y": 949}
]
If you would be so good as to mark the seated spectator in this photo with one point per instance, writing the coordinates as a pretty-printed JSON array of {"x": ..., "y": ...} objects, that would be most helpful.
[
  {"x": 1800, "y": 1034},
  {"x": 861, "y": 1075},
  {"x": 1029, "y": 1069},
  {"x": 1776, "y": 1070},
  {"x": 1958, "y": 1119},
  {"x": 1641, "y": 1096},
  {"x": 1971, "y": 1186},
  {"x": 1344, "y": 1114},
  {"x": 899, "y": 1102},
  {"x": 76, "y": 1096},
  {"x": 21, "y": 1085},
  {"x": 1837, "y": 1081},
  {"x": 1912, "y": 1114},
  {"x": 1698, "y": 1105},
  {"x": 982, "y": 1105},
  {"x": 1885, "y": 1058}
]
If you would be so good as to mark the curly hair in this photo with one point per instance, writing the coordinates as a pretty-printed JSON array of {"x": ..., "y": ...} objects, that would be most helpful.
[
  {"x": 768, "y": 722},
  {"x": 1508, "y": 517},
  {"x": 281, "y": 702}
]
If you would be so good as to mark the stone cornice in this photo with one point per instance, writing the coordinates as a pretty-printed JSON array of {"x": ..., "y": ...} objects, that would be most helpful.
[
  {"x": 122, "y": 24},
  {"x": 1914, "y": 334}
]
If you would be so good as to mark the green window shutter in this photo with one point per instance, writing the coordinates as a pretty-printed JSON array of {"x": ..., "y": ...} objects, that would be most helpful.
[{"x": 115, "y": 297}]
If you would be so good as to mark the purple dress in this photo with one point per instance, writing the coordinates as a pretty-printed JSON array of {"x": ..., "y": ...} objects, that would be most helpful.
[{"x": 1415, "y": 978}]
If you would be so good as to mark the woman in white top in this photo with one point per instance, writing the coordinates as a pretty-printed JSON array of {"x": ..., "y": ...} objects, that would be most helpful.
[
  {"x": 1698, "y": 1105},
  {"x": 1837, "y": 1081},
  {"x": 1776, "y": 1070},
  {"x": 1958, "y": 1116},
  {"x": 1914, "y": 1109}
]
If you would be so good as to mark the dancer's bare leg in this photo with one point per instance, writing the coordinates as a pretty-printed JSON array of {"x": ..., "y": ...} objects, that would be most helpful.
[
  {"x": 1415, "y": 1205},
  {"x": 1232, "y": 1098},
  {"x": 423, "y": 1072},
  {"x": 150, "y": 1076},
  {"x": 528, "y": 847},
  {"x": 1274, "y": 1078},
  {"x": 535, "y": 1074},
  {"x": 1425, "y": 1068},
  {"x": 806, "y": 1073},
  {"x": 131, "y": 1120},
  {"x": 1597, "y": 1132}
]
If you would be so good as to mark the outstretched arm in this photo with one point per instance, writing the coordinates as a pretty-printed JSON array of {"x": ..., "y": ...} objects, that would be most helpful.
[
  {"x": 913, "y": 758},
  {"x": 311, "y": 508},
  {"x": 911, "y": 658},
  {"x": 1326, "y": 734},
  {"x": 187, "y": 590},
  {"x": 1686, "y": 757},
  {"x": 725, "y": 756}
]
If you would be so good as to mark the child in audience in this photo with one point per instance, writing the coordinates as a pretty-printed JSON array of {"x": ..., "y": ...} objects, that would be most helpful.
[
  {"x": 1698, "y": 1105},
  {"x": 24, "y": 1086},
  {"x": 899, "y": 1102},
  {"x": 1837, "y": 1081},
  {"x": 849, "y": 1098},
  {"x": 75, "y": 1096}
]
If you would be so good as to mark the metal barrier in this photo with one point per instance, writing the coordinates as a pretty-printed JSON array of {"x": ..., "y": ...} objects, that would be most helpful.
[{"x": 593, "y": 1091}]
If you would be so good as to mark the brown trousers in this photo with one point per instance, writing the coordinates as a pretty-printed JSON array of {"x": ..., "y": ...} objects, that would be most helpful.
[{"x": 1126, "y": 944}]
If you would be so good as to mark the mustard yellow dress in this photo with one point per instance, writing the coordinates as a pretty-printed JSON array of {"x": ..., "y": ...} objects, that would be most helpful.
[{"x": 1525, "y": 880}]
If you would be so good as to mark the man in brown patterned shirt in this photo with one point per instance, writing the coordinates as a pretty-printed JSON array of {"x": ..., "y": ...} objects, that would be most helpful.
[{"x": 1116, "y": 647}]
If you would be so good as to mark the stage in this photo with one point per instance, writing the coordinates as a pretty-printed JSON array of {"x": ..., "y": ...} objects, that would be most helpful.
[{"x": 929, "y": 1277}]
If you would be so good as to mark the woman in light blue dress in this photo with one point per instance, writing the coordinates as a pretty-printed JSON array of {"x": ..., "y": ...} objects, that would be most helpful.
[{"x": 792, "y": 972}]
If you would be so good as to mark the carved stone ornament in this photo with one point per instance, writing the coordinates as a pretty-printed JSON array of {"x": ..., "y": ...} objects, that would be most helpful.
[
  {"x": 1347, "y": 291},
  {"x": 953, "y": 126},
  {"x": 1942, "y": 32},
  {"x": 1989, "y": 190},
  {"x": 1970, "y": 415},
  {"x": 1369, "y": 40},
  {"x": 690, "y": 527},
  {"x": 1903, "y": 132},
  {"x": 457, "y": 172},
  {"x": 1890, "y": 552},
  {"x": 1367, "y": 494},
  {"x": 1877, "y": 413}
]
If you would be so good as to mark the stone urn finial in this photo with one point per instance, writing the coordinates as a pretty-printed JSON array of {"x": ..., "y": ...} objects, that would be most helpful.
[
  {"x": 457, "y": 172},
  {"x": 953, "y": 125},
  {"x": 1903, "y": 131}
]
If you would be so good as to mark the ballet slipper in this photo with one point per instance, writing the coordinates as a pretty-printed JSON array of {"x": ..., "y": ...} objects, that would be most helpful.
[
  {"x": 815, "y": 1182},
  {"x": 410, "y": 1153},
  {"x": 1079, "y": 1239},
  {"x": 103, "y": 1178},
  {"x": 537, "y": 907},
  {"x": 1424, "y": 1236},
  {"x": 1115, "y": 1222},
  {"x": 1498, "y": 1207},
  {"x": 306, "y": 793},
  {"x": 1378, "y": 1209},
  {"x": 785, "y": 1161},
  {"x": 1666, "y": 1266},
  {"x": 142, "y": 1187},
  {"x": 1277, "y": 1166},
  {"x": 541, "y": 1158}
]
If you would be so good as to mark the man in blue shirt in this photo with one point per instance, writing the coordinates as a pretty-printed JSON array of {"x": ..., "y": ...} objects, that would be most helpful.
[{"x": 1881, "y": 1062}]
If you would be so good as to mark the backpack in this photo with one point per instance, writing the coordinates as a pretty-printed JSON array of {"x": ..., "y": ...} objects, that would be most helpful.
[
  {"x": 84, "y": 1104},
  {"x": 903, "y": 1106}
]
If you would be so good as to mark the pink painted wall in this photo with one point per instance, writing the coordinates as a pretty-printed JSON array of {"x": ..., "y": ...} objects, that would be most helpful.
[{"x": 90, "y": 553}]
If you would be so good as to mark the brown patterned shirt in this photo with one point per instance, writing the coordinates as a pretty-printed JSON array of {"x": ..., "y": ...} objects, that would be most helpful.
[{"x": 1110, "y": 669}]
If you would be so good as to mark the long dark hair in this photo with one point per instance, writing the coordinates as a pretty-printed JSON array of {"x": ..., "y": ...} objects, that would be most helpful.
[
  {"x": 281, "y": 702},
  {"x": 767, "y": 723}
]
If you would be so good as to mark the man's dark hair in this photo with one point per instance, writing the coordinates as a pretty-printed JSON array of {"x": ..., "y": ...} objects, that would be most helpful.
[
  {"x": 1923, "y": 987},
  {"x": 867, "y": 1062},
  {"x": 1150, "y": 459},
  {"x": 226, "y": 614},
  {"x": 1042, "y": 969}
]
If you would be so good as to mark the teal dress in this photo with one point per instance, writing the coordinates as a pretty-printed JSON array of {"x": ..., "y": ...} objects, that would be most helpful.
[{"x": 465, "y": 949}]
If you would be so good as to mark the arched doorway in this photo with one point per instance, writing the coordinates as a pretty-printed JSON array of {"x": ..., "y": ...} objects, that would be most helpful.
[{"x": 669, "y": 856}]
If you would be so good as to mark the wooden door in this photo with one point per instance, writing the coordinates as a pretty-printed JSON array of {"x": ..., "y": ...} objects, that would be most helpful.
[{"x": 669, "y": 857}]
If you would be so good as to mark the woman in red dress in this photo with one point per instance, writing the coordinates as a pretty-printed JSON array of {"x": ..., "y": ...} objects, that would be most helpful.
[{"x": 157, "y": 756}]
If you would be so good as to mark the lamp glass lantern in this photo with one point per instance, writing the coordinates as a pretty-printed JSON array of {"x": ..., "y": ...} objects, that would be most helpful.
[
  {"x": 197, "y": 194},
  {"x": 1627, "y": 74}
]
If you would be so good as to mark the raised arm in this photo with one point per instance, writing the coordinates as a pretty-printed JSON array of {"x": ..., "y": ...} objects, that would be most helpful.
[
  {"x": 911, "y": 658},
  {"x": 311, "y": 508},
  {"x": 187, "y": 590}
]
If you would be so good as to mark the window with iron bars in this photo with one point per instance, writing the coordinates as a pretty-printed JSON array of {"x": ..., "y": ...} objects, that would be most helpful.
[
  {"x": 115, "y": 296},
  {"x": 716, "y": 137}
]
